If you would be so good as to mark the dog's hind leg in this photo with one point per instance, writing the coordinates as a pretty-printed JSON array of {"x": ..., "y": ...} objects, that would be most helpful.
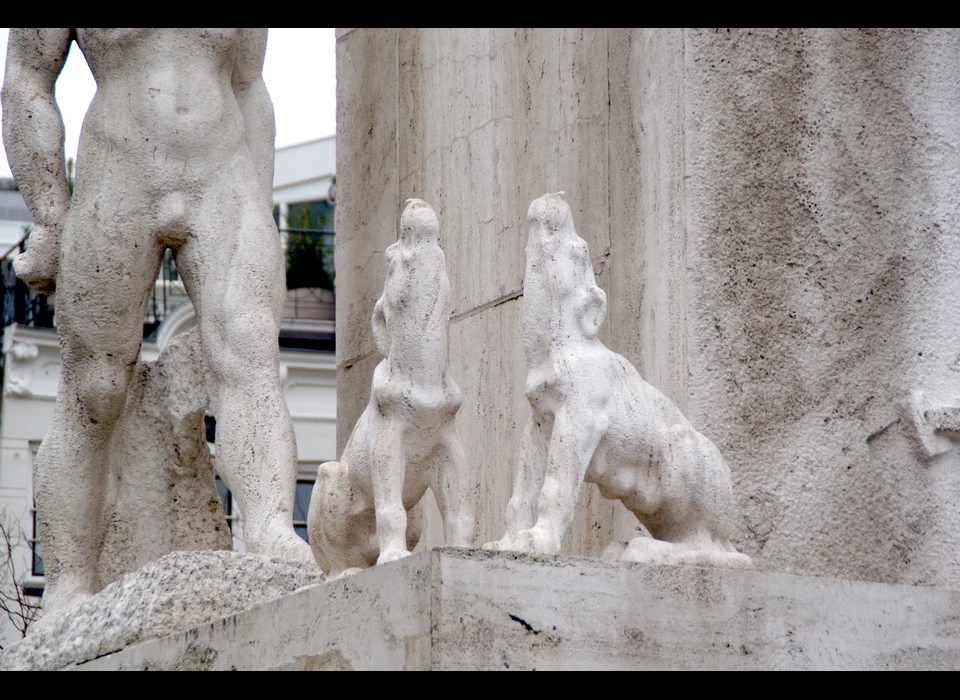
[
  {"x": 339, "y": 523},
  {"x": 697, "y": 514}
]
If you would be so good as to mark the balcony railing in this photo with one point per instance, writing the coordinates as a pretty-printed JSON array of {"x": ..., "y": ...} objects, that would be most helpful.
[
  {"x": 310, "y": 282},
  {"x": 21, "y": 304}
]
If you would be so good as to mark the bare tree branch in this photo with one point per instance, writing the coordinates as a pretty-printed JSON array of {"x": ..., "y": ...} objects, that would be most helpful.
[{"x": 20, "y": 608}]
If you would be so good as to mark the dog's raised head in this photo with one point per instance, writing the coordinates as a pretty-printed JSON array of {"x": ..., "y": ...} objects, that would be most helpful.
[
  {"x": 559, "y": 281},
  {"x": 419, "y": 223},
  {"x": 548, "y": 218}
]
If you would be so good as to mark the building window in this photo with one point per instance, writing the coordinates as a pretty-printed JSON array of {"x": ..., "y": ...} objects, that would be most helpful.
[
  {"x": 310, "y": 245},
  {"x": 36, "y": 566},
  {"x": 311, "y": 216},
  {"x": 300, "y": 507},
  {"x": 226, "y": 500}
]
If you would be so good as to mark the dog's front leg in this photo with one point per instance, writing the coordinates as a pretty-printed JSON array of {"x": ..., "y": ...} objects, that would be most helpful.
[
  {"x": 528, "y": 477},
  {"x": 576, "y": 434},
  {"x": 388, "y": 470}
]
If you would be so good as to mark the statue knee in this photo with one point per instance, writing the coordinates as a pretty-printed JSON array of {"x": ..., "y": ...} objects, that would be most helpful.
[{"x": 102, "y": 392}]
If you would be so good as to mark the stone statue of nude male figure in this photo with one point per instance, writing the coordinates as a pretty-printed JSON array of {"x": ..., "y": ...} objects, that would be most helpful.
[{"x": 176, "y": 151}]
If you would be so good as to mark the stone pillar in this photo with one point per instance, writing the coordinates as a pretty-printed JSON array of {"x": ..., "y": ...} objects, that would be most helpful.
[{"x": 773, "y": 215}]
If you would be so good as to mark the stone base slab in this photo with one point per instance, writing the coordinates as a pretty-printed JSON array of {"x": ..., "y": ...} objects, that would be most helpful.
[{"x": 471, "y": 609}]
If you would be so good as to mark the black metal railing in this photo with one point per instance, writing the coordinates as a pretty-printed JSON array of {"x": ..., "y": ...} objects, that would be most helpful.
[
  {"x": 310, "y": 281},
  {"x": 20, "y": 303}
]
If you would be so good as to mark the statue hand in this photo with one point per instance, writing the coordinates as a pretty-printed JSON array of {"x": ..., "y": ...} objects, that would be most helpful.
[{"x": 38, "y": 266}]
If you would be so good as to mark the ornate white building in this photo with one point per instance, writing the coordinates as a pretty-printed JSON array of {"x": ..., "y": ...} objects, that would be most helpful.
[{"x": 304, "y": 190}]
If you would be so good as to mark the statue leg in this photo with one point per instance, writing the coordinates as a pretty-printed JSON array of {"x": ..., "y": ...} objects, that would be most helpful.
[
  {"x": 576, "y": 435},
  {"x": 528, "y": 478},
  {"x": 453, "y": 487},
  {"x": 527, "y": 483},
  {"x": 388, "y": 472},
  {"x": 103, "y": 284},
  {"x": 233, "y": 270},
  {"x": 697, "y": 514}
]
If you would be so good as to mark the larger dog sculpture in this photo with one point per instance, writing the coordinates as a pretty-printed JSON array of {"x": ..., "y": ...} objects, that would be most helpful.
[
  {"x": 406, "y": 438},
  {"x": 595, "y": 419}
]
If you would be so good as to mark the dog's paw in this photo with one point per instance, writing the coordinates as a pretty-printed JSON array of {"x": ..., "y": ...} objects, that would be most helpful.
[{"x": 392, "y": 555}]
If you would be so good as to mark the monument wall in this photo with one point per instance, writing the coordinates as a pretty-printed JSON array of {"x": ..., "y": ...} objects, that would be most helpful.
[{"x": 772, "y": 214}]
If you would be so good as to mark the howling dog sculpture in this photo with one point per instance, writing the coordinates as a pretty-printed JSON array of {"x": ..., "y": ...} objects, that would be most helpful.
[
  {"x": 406, "y": 438},
  {"x": 595, "y": 419}
]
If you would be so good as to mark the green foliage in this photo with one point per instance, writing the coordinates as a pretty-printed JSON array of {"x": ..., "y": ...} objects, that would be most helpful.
[{"x": 309, "y": 251}]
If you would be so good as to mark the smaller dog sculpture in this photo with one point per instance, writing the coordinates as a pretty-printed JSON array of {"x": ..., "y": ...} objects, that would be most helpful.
[
  {"x": 406, "y": 438},
  {"x": 595, "y": 419}
]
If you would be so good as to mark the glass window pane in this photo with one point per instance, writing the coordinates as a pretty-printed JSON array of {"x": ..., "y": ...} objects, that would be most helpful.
[
  {"x": 313, "y": 216},
  {"x": 310, "y": 245},
  {"x": 302, "y": 503},
  {"x": 226, "y": 500},
  {"x": 37, "y": 551}
]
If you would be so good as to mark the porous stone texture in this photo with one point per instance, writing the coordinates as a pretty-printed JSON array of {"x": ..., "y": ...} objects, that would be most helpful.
[
  {"x": 406, "y": 440},
  {"x": 460, "y": 609},
  {"x": 176, "y": 152},
  {"x": 177, "y": 592},
  {"x": 594, "y": 418},
  {"x": 161, "y": 495},
  {"x": 772, "y": 215}
]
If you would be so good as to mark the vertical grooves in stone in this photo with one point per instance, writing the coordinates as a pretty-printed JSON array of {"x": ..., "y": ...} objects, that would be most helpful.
[{"x": 396, "y": 131}]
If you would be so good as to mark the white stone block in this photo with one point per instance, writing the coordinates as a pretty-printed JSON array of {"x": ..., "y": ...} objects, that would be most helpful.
[{"x": 467, "y": 609}]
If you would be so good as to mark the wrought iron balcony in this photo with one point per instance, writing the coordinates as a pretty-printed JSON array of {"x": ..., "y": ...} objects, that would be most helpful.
[{"x": 308, "y": 310}]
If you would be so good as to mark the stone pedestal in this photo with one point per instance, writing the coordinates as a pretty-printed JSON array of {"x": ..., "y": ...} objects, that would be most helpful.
[
  {"x": 177, "y": 592},
  {"x": 466, "y": 609}
]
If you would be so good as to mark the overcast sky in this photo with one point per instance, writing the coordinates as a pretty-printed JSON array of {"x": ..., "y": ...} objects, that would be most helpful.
[{"x": 300, "y": 72}]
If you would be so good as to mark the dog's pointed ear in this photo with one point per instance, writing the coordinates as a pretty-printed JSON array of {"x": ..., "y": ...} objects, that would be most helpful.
[{"x": 592, "y": 311}]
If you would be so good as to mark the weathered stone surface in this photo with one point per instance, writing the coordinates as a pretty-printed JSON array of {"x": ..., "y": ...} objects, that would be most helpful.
[
  {"x": 478, "y": 123},
  {"x": 460, "y": 609},
  {"x": 406, "y": 439},
  {"x": 822, "y": 269},
  {"x": 160, "y": 495},
  {"x": 177, "y": 592},
  {"x": 594, "y": 418},
  {"x": 176, "y": 152},
  {"x": 367, "y": 219},
  {"x": 772, "y": 215}
]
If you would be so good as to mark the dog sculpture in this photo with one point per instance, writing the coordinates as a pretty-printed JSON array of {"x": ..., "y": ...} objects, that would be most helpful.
[
  {"x": 406, "y": 438},
  {"x": 595, "y": 419}
]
